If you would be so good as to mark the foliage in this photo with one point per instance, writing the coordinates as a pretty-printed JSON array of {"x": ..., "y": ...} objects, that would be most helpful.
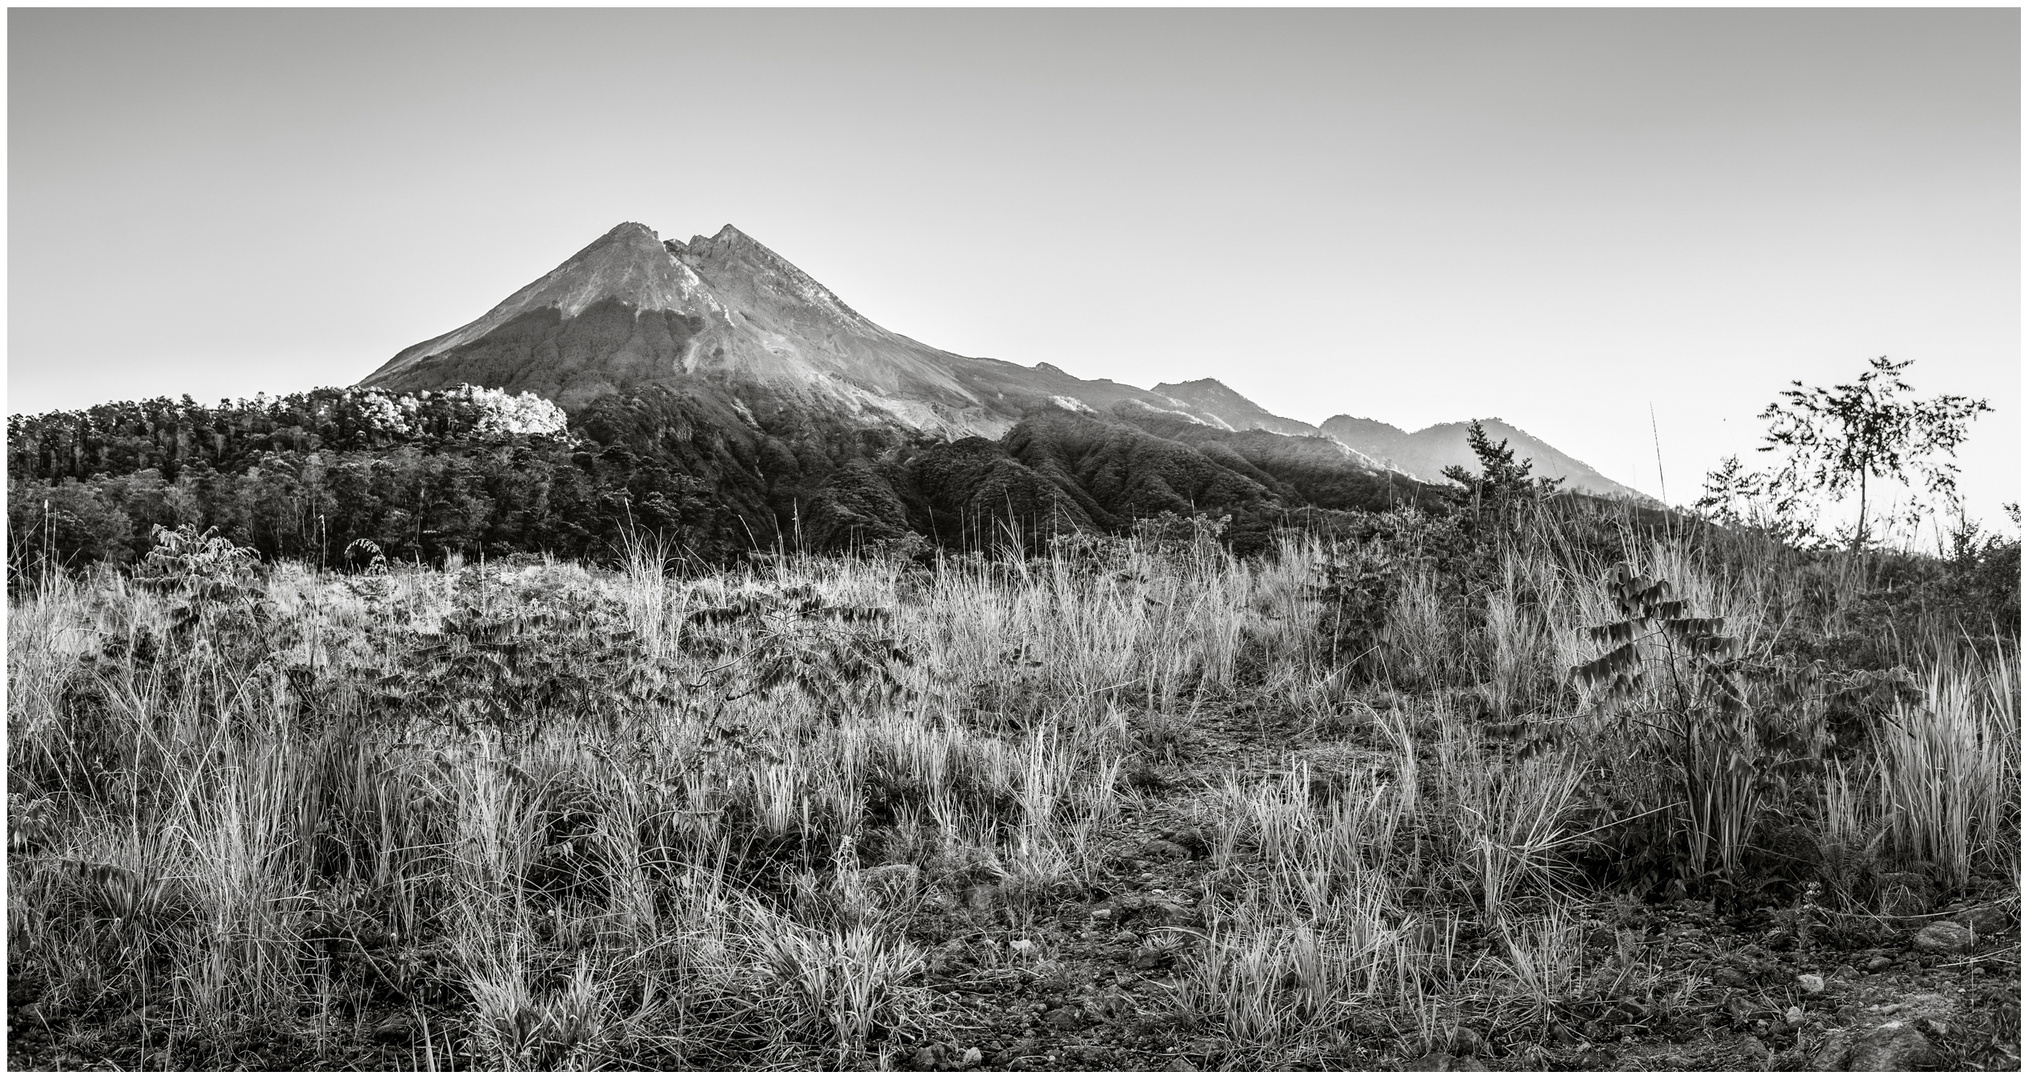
[
  {"x": 1358, "y": 591},
  {"x": 840, "y": 655},
  {"x": 1681, "y": 686},
  {"x": 548, "y": 656},
  {"x": 1502, "y": 497},
  {"x": 1832, "y": 441}
]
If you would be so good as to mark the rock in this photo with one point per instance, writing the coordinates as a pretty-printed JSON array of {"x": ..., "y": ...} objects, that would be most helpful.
[
  {"x": 1794, "y": 1017},
  {"x": 1943, "y": 938},
  {"x": 1434, "y": 1061},
  {"x": 1812, "y": 984},
  {"x": 1880, "y": 963},
  {"x": 1893, "y": 1046},
  {"x": 1164, "y": 849},
  {"x": 973, "y": 1057},
  {"x": 924, "y": 1058},
  {"x": 1990, "y": 919},
  {"x": 1181, "y": 1065},
  {"x": 395, "y": 1031}
]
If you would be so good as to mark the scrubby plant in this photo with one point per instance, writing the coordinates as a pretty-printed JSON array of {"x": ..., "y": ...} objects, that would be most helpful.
[{"x": 1677, "y": 687}]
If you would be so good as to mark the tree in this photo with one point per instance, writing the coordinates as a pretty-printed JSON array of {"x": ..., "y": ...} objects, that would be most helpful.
[
  {"x": 1503, "y": 489},
  {"x": 1835, "y": 440}
]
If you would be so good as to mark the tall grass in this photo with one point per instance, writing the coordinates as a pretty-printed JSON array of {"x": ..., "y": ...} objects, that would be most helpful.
[
  {"x": 233, "y": 820},
  {"x": 1950, "y": 765}
]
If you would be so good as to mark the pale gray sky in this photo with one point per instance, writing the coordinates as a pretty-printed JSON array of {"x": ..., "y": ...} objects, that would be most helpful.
[{"x": 1417, "y": 216}]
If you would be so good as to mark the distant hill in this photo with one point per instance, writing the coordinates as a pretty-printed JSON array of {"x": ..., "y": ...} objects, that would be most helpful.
[{"x": 1425, "y": 454}]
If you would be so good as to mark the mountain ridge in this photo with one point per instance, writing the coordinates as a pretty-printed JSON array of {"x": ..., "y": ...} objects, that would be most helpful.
[{"x": 728, "y": 316}]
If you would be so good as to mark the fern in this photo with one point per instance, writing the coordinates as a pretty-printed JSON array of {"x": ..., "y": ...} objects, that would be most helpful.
[{"x": 1681, "y": 676}]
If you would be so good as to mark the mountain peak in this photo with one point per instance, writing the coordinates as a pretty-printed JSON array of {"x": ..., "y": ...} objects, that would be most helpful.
[
  {"x": 1229, "y": 405},
  {"x": 748, "y": 275},
  {"x": 626, "y": 230}
]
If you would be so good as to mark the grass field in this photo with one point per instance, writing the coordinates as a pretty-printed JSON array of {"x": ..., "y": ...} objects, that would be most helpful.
[{"x": 1591, "y": 798}]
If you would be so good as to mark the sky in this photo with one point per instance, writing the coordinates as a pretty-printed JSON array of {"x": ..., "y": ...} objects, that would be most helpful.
[{"x": 1565, "y": 219}]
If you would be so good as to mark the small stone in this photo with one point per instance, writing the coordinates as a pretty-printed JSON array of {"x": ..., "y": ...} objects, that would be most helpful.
[
  {"x": 1181, "y": 1065},
  {"x": 1943, "y": 938},
  {"x": 973, "y": 1057},
  {"x": 1102, "y": 913},
  {"x": 1794, "y": 1017},
  {"x": 1880, "y": 963},
  {"x": 396, "y": 1030},
  {"x": 1812, "y": 984}
]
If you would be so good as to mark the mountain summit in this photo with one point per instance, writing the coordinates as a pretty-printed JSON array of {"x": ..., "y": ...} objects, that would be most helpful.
[
  {"x": 631, "y": 309},
  {"x": 726, "y": 316},
  {"x": 725, "y": 311}
]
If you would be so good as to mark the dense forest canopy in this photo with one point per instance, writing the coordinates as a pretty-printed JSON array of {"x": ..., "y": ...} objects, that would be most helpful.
[{"x": 478, "y": 472}]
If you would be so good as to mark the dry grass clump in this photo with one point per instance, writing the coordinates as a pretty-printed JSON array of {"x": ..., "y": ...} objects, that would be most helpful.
[{"x": 1949, "y": 766}]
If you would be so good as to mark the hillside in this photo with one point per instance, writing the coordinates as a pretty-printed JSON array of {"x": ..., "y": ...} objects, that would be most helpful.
[{"x": 1425, "y": 454}]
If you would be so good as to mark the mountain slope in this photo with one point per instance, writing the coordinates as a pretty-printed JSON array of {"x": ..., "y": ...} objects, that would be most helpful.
[
  {"x": 631, "y": 310},
  {"x": 746, "y": 336},
  {"x": 1425, "y": 454},
  {"x": 1215, "y": 397}
]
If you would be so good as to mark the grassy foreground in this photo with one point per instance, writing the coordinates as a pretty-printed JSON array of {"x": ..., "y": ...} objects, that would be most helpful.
[{"x": 1129, "y": 804}]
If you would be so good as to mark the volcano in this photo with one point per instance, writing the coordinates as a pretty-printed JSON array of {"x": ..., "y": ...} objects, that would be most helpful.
[
  {"x": 726, "y": 319},
  {"x": 724, "y": 311}
]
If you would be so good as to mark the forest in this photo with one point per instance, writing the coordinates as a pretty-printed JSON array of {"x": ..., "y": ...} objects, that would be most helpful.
[{"x": 476, "y": 473}]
